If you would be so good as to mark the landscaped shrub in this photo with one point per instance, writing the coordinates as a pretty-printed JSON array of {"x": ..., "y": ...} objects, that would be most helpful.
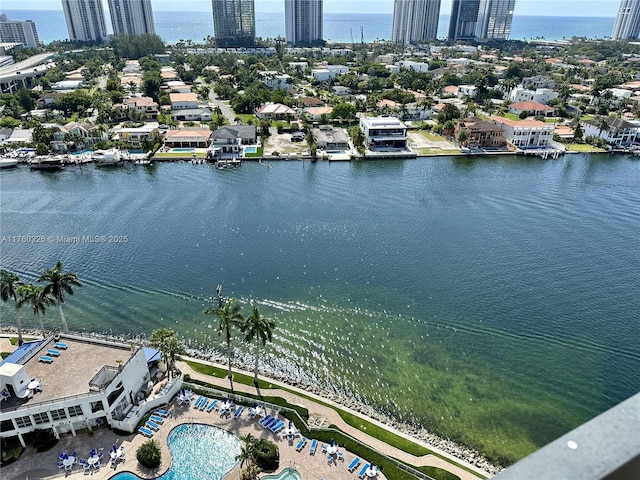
[
  {"x": 148, "y": 454},
  {"x": 266, "y": 455},
  {"x": 42, "y": 440},
  {"x": 11, "y": 449}
]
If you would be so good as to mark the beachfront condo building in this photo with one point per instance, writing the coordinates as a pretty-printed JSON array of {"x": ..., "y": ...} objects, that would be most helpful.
[
  {"x": 131, "y": 17},
  {"x": 17, "y": 31},
  {"x": 234, "y": 22},
  {"x": 303, "y": 21},
  {"x": 464, "y": 16},
  {"x": 494, "y": 19},
  {"x": 85, "y": 20},
  {"x": 415, "y": 21},
  {"x": 627, "y": 25}
]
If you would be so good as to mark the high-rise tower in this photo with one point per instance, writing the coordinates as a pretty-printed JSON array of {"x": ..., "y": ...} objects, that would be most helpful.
[
  {"x": 85, "y": 20},
  {"x": 464, "y": 16},
  {"x": 234, "y": 22},
  {"x": 17, "y": 31},
  {"x": 627, "y": 24},
  {"x": 303, "y": 21},
  {"x": 415, "y": 21},
  {"x": 494, "y": 18},
  {"x": 133, "y": 17}
]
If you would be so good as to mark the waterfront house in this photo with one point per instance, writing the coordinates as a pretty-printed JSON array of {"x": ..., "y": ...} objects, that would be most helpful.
[
  {"x": 136, "y": 136},
  {"x": 331, "y": 139},
  {"x": 230, "y": 139},
  {"x": 481, "y": 133},
  {"x": 382, "y": 133},
  {"x": 187, "y": 138},
  {"x": 532, "y": 108},
  {"x": 525, "y": 134},
  {"x": 70, "y": 384},
  {"x": 614, "y": 131}
]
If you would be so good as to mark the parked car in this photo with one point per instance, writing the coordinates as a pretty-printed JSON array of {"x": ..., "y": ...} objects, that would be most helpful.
[{"x": 297, "y": 137}]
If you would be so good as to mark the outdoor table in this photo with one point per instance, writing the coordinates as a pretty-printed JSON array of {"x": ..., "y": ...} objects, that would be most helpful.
[
  {"x": 371, "y": 472},
  {"x": 67, "y": 462},
  {"x": 91, "y": 461},
  {"x": 332, "y": 449},
  {"x": 33, "y": 385}
]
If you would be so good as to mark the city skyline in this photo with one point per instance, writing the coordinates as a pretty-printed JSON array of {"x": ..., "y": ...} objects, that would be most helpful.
[
  {"x": 569, "y": 8},
  {"x": 303, "y": 21},
  {"x": 415, "y": 21}
]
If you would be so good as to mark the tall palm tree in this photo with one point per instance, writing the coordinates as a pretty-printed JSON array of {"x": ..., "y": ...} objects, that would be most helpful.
[
  {"x": 229, "y": 314},
  {"x": 247, "y": 449},
  {"x": 260, "y": 328},
  {"x": 59, "y": 283},
  {"x": 9, "y": 284},
  {"x": 34, "y": 295},
  {"x": 165, "y": 340}
]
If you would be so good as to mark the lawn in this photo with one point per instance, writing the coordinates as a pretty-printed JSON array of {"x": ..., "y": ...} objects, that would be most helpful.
[
  {"x": 178, "y": 155},
  {"x": 248, "y": 118},
  {"x": 584, "y": 148},
  {"x": 433, "y": 137},
  {"x": 258, "y": 153},
  {"x": 438, "y": 151}
]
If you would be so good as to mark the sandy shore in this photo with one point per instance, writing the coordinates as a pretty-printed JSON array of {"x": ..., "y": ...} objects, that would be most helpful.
[{"x": 444, "y": 446}]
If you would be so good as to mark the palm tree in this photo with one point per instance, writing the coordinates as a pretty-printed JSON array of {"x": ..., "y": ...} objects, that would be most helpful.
[
  {"x": 34, "y": 295},
  {"x": 9, "y": 284},
  {"x": 228, "y": 315},
  {"x": 260, "y": 328},
  {"x": 165, "y": 340},
  {"x": 247, "y": 449},
  {"x": 59, "y": 283}
]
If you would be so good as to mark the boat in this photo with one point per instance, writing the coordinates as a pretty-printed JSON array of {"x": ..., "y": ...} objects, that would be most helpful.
[
  {"x": 47, "y": 163},
  {"x": 8, "y": 162},
  {"x": 107, "y": 157},
  {"x": 142, "y": 162}
]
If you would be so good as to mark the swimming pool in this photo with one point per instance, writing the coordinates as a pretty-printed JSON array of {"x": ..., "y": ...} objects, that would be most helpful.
[
  {"x": 250, "y": 149},
  {"x": 83, "y": 152},
  {"x": 199, "y": 452},
  {"x": 286, "y": 474},
  {"x": 181, "y": 149}
]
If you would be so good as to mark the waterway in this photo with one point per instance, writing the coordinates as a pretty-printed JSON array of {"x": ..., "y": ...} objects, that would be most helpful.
[{"x": 492, "y": 300}]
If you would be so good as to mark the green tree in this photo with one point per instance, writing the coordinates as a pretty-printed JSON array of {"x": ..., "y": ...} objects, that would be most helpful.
[
  {"x": 344, "y": 111},
  {"x": 149, "y": 454},
  {"x": 261, "y": 329},
  {"x": 165, "y": 340},
  {"x": 229, "y": 315},
  {"x": 578, "y": 133},
  {"x": 463, "y": 136},
  {"x": 57, "y": 284},
  {"x": 357, "y": 137},
  {"x": 9, "y": 284},
  {"x": 39, "y": 301}
]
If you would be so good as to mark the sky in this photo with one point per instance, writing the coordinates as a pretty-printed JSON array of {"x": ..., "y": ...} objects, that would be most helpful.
[{"x": 584, "y": 8}]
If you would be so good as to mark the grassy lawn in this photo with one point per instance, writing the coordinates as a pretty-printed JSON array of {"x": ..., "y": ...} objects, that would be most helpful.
[
  {"x": 438, "y": 151},
  {"x": 248, "y": 118},
  {"x": 179, "y": 155},
  {"x": 583, "y": 147},
  {"x": 14, "y": 340},
  {"x": 354, "y": 420},
  {"x": 511, "y": 116},
  {"x": 432, "y": 136},
  {"x": 258, "y": 153},
  {"x": 587, "y": 117}
]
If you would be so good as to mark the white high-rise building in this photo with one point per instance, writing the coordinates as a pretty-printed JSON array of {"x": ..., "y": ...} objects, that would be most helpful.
[
  {"x": 627, "y": 24},
  {"x": 17, "y": 31},
  {"x": 415, "y": 21},
  {"x": 303, "y": 21},
  {"x": 85, "y": 20},
  {"x": 494, "y": 18},
  {"x": 133, "y": 17}
]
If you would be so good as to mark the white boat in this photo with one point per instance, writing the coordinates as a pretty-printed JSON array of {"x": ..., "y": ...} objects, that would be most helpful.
[
  {"x": 8, "y": 162},
  {"x": 107, "y": 157},
  {"x": 45, "y": 163},
  {"x": 142, "y": 162}
]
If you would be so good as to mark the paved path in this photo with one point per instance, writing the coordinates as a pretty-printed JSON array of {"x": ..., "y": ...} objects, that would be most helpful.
[{"x": 332, "y": 417}]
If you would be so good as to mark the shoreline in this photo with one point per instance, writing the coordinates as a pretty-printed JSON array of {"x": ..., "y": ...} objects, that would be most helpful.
[{"x": 442, "y": 445}]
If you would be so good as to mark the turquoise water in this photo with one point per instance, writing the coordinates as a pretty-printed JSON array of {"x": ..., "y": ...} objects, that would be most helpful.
[
  {"x": 182, "y": 149},
  {"x": 493, "y": 300},
  {"x": 84, "y": 152},
  {"x": 250, "y": 149},
  {"x": 286, "y": 474},
  {"x": 199, "y": 452}
]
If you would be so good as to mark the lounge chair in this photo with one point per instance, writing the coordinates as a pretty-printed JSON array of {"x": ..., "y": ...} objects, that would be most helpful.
[
  {"x": 340, "y": 456},
  {"x": 313, "y": 447},
  {"x": 61, "y": 345},
  {"x": 264, "y": 420},
  {"x": 277, "y": 427},
  {"x": 5, "y": 395},
  {"x": 238, "y": 411},
  {"x": 354, "y": 464},
  {"x": 145, "y": 431},
  {"x": 53, "y": 352},
  {"x": 45, "y": 359},
  {"x": 270, "y": 423},
  {"x": 162, "y": 413},
  {"x": 198, "y": 400},
  {"x": 205, "y": 404},
  {"x": 363, "y": 470},
  {"x": 212, "y": 406},
  {"x": 157, "y": 419},
  {"x": 323, "y": 447},
  {"x": 152, "y": 425},
  {"x": 301, "y": 444}
]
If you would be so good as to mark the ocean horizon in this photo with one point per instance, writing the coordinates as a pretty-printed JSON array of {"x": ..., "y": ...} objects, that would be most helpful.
[{"x": 338, "y": 27}]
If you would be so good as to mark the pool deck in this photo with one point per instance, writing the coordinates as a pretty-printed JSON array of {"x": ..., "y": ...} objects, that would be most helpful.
[{"x": 43, "y": 465}]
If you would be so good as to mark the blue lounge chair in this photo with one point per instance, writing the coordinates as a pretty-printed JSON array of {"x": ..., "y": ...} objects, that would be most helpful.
[
  {"x": 145, "y": 431},
  {"x": 197, "y": 404},
  {"x": 157, "y": 419},
  {"x": 301, "y": 444},
  {"x": 162, "y": 413},
  {"x": 264, "y": 420},
  {"x": 45, "y": 359},
  {"x": 363, "y": 470},
  {"x": 354, "y": 464},
  {"x": 277, "y": 427},
  {"x": 205, "y": 404},
  {"x": 270, "y": 423},
  {"x": 313, "y": 447},
  {"x": 61, "y": 345},
  {"x": 323, "y": 447},
  {"x": 53, "y": 352},
  {"x": 340, "y": 456},
  {"x": 212, "y": 405},
  {"x": 152, "y": 425},
  {"x": 238, "y": 411}
]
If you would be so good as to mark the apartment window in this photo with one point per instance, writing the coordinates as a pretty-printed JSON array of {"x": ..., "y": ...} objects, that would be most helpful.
[
  {"x": 40, "y": 418},
  {"x": 75, "y": 411},
  {"x": 22, "y": 422},
  {"x": 58, "y": 414}
]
